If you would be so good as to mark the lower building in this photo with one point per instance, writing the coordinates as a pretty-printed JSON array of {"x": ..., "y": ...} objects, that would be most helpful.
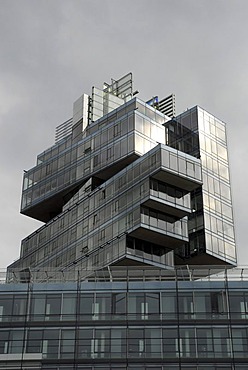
[{"x": 126, "y": 318}]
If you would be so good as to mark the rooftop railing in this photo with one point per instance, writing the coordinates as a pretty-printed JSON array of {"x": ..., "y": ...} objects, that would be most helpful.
[{"x": 125, "y": 273}]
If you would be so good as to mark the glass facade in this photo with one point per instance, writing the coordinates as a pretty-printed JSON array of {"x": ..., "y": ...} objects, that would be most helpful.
[
  {"x": 129, "y": 197},
  {"x": 131, "y": 200},
  {"x": 128, "y": 317},
  {"x": 117, "y": 192},
  {"x": 65, "y": 167},
  {"x": 211, "y": 227}
]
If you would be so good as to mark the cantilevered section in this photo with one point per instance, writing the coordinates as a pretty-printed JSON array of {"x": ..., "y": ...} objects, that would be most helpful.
[
  {"x": 126, "y": 197},
  {"x": 109, "y": 145}
]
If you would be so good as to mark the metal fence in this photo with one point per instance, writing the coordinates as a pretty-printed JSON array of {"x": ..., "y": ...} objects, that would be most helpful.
[{"x": 124, "y": 273}]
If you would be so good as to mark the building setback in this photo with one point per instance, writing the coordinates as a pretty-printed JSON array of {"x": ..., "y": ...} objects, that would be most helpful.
[{"x": 134, "y": 266}]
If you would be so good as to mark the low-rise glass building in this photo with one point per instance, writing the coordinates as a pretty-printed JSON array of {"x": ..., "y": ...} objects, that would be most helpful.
[{"x": 126, "y": 318}]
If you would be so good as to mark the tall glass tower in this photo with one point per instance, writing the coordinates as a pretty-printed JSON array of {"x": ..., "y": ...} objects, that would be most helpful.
[{"x": 128, "y": 184}]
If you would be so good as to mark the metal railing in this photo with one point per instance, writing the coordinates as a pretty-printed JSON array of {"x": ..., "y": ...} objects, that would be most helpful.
[{"x": 124, "y": 273}]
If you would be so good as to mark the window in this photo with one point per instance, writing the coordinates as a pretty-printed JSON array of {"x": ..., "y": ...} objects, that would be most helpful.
[
  {"x": 185, "y": 304},
  {"x": 119, "y": 303},
  {"x": 238, "y": 305},
  {"x": 34, "y": 342},
  {"x": 122, "y": 181},
  {"x": 38, "y": 307},
  {"x": 45, "y": 307},
  {"x": 240, "y": 342},
  {"x": 102, "y": 234},
  {"x": 50, "y": 343},
  {"x": 87, "y": 149},
  {"x": 5, "y": 308},
  {"x": 19, "y": 307},
  {"x": 169, "y": 305},
  {"x": 210, "y": 304},
  {"x": 67, "y": 343},
  {"x": 129, "y": 219},
  {"x": 222, "y": 345},
  {"x": 102, "y": 307},
  {"x": 187, "y": 342},
  {"x": 116, "y": 206},
  {"x": 96, "y": 160},
  {"x": 52, "y": 311},
  {"x": 69, "y": 307},
  {"x": 100, "y": 346},
  {"x": 86, "y": 306},
  {"x": 85, "y": 338},
  {"x": 153, "y": 159},
  {"x": 190, "y": 169},
  {"x": 118, "y": 343},
  {"x": 170, "y": 342},
  {"x": 117, "y": 129},
  {"x": 95, "y": 219},
  {"x": 143, "y": 306},
  {"x": 16, "y": 341},
  {"x": 109, "y": 153},
  {"x": 136, "y": 343},
  {"x": 4, "y": 340},
  {"x": 205, "y": 345}
]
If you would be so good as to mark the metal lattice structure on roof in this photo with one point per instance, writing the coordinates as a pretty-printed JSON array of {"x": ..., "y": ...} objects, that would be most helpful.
[{"x": 125, "y": 274}]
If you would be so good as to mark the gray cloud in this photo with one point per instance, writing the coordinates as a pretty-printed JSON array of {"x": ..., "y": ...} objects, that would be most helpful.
[{"x": 53, "y": 51}]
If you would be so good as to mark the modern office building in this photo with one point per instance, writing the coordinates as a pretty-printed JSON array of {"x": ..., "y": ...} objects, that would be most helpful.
[
  {"x": 134, "y": 267},
  {"x": 127, "y": 184}
]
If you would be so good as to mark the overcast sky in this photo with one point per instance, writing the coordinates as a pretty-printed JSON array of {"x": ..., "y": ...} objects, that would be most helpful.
[{"x": 52, "y": 51}]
